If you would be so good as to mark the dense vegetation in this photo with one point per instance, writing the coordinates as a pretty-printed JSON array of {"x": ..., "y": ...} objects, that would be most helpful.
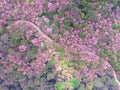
[{"x": 59, "y": 44}]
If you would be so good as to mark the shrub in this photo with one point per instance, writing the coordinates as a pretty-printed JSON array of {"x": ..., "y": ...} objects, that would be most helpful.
[
  {"x": 79, "y": 26},
  {"x": 75, "y": 82},
  {"x": 91, "y": 15},
  {"x": 61, "y": 13},
  {"x": 82, "y": 35},
  {"x": 117, "y": 65},
  {"x": 116, "y": 26},
  {"x": 59, "y": 48},
  {"x": 34, "y": 49},
  {"x": 51, "y": 63},
  {"x": 3, "y": 30},
  {"x": 30, "y": 1},
  {"x": 115, "y": 2},
  {"x": 118, "y": 54},
  {"x": 11, "y": 50},
  {"x": 62, "y": 54},
  {"x": 60, "y": 86},
  {"x": 16, "y": 38},
  {"x": 68, "y": 28}
]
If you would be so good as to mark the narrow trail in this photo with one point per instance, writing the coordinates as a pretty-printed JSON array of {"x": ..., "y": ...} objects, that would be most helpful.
[{"x": 40, "y": 32}]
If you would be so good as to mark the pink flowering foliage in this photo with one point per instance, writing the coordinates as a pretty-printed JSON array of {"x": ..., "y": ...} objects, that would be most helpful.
[
  {"x": 28, "y": 34},
  {"x": 22, "y": 48},
  {"x": 87, "y": 30}
]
